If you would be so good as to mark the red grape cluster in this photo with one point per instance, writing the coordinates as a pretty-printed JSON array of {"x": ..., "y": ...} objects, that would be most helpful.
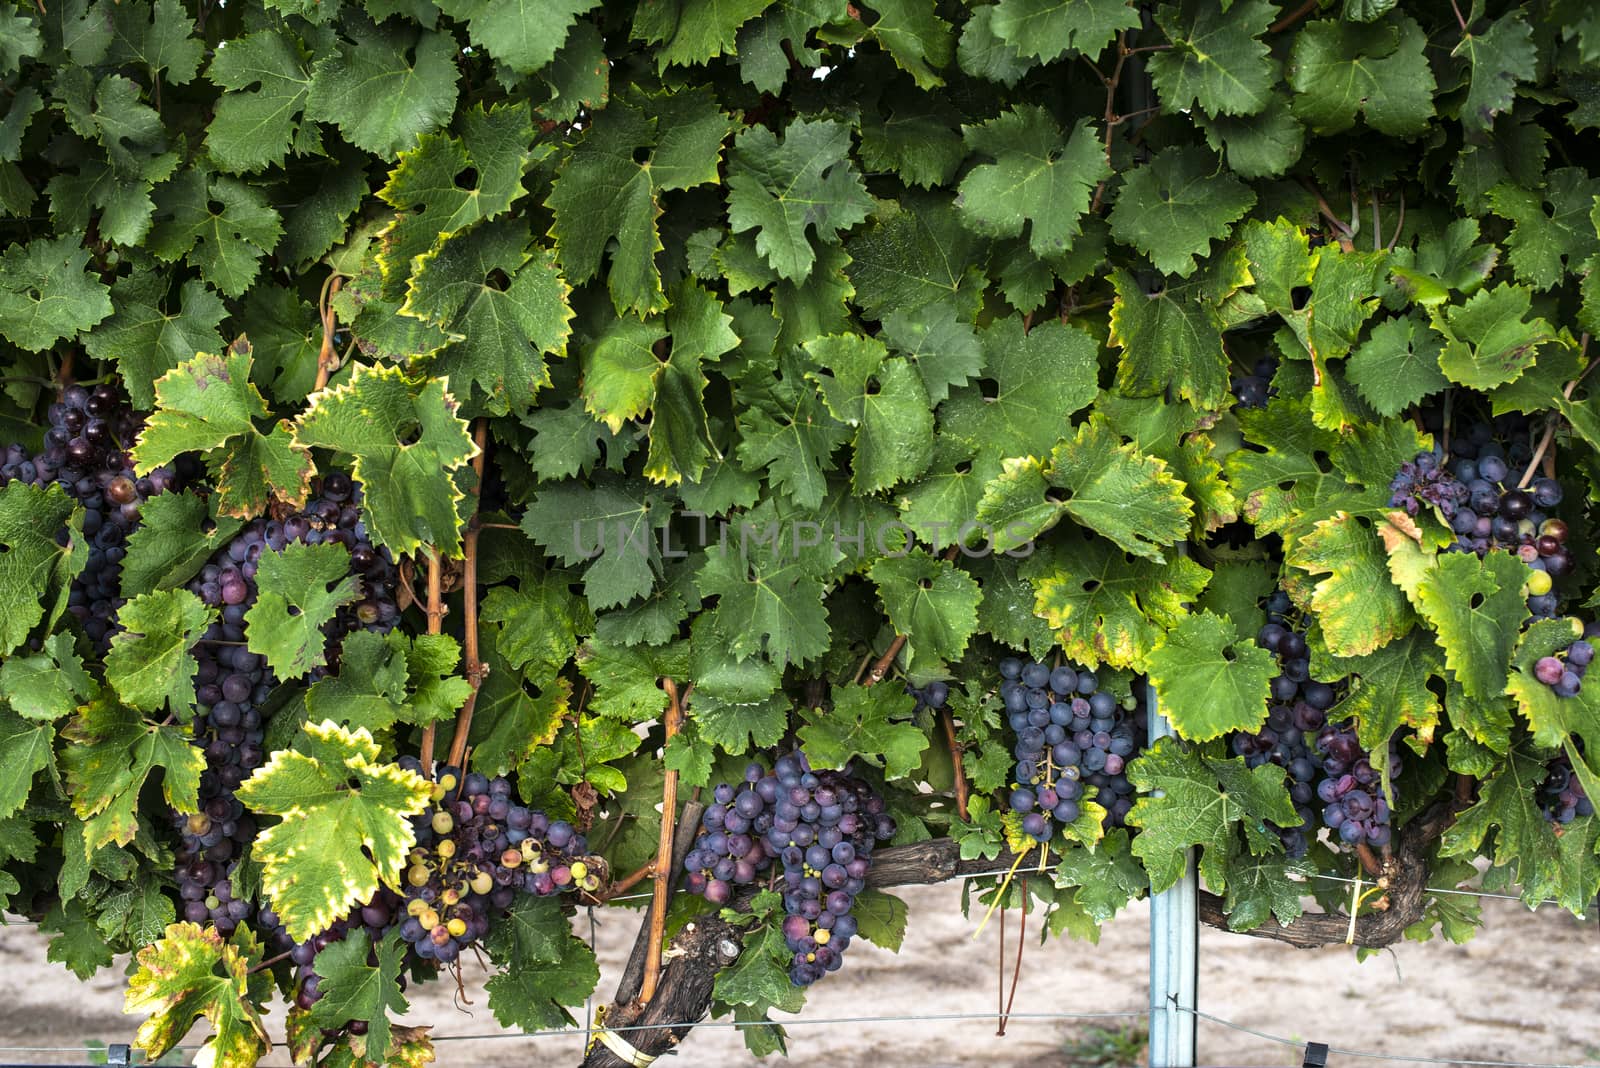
[{"x": 476, "y": 849}]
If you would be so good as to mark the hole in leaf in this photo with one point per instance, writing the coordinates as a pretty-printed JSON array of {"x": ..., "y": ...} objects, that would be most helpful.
[
  {"x": 216, "y": 207},
  {"x": 1300, "y": 296},
  {"x": 498, "y": 279},
  {"x": 1323, "y": 462},
  {"x": 408, "y": 432},
  {"x": 964, "y": 467},
  {"x": 1058, "y": 495},
  {"x": 467, "y": 178},
  {"x": 1091, "y": 585},
  {"x": 1476, "y": 601},
  {"x": 989, "y": 388},
  {"x": 641, "y": 155}
]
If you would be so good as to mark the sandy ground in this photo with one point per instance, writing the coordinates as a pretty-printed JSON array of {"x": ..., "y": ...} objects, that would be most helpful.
[{"x": 1527, "y": 989}]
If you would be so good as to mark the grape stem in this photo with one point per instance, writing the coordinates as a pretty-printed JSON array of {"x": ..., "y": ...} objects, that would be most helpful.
[
  {"x": 1294, "y": 16},
  {"x": 435, "y": 626},
  {"x": 962, "y": 790},
  {"x": 663, "y": 865},
  {"x": 623, "y": 885},
  {"x": 1550, "y": 427},
  {"x": 269, "y": 962},
  {"x": 476, "y": 669},
  {"x": 326, "y": 360}
]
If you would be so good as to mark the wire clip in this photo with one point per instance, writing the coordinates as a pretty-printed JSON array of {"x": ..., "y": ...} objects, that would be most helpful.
[
  {"x": 1316, "y": 1055},
  {"x": 623, "y": 1048},
  {"x": 119, "y": 1055}
]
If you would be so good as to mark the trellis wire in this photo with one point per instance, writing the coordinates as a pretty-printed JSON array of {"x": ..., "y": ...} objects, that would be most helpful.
[{"x": 574, "y": 1032}]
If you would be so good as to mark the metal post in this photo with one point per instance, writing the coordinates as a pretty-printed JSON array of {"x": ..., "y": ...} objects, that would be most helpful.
[{"x": 1174, "y": 950}]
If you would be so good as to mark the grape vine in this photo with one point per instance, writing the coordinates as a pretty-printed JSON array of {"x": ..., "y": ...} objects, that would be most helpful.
[{"x": 469, "y": 463}]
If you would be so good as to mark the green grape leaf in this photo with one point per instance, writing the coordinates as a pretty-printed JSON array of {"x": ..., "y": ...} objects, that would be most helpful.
[
  {"x": 1217, "y": 60},
  {"x": 884, "y": 399},
  {"x": 1173, "y": 207},
  {"x": 1339, "y": 70},
  {"x": 782, "y": 189},
  {"x": 1398, "y": 365},
  {"x": 946, "y": 351},
  {"x": 407, "y": 441},
  {"x": 543, "y": 966},
  {"x": 255, "y": 123},
  {"x": 767, "y": 603},
  {"x": 982, "y": 54},
  {"x": 505, "y": 329},
  {"x": 493, "y": 151},
  {"x": 111, "y": 756},
  {"x": 1500, "y": 57},
  {"x": 1525, "y": 842},
  {"x": 1544, "y": 244},
  {"x": 159, "y": 37},
  {"x": 1043, "y": 375},
  {"x": 1389, "y": 688},
  {"x": 193, "y": 972},
  {"x": 1357, "y": 605},
  {"x": 1170, "y": 338},
  {"x": 1476, "y": 607},
  {"x": 1210, "y": 681},
  {"x": 540, "y": 623},
  {"x": 150, "y": 664},
  {"x": 46, "y": 296},
  {"x": 931, "y": 601},
  {"x": 1257, "y": 146},
  {"x": 920, "y": 145},
  {"x": 1489, "y": 339},
  {"x": 915, "y": 36},
  {"x": 385, "y": 85},
  {"x": 346, "y": 824},
  {"x": 1048, "y": 29},
  {"x": 32, "y": 564},
  {"x": 608, "y": 525},
  {"x": 1119, "y": 492},
  {"x": 25, "y": 750},
  {"x": 1106, "y": 605},
  {"x": 862, "y": 724},
  {"x": 354, "y": 990},
  {"x": 1040, "y": 178},
  {"x": 145, "y": 341},
  {"x": 300, "y": 591},
  {"x": 208, "y": 405},
  {"x": 177, "y": 534},
  {"x": 916, "y": 253},
  {"x": 523, "y": 35},
  {"x": 389, "y": 679},
  {"x": 219, "y": 225},
  {"x": 1188, "y": 799},
  {"x": 1259, "y": 889},
  {"x": 47, "y": 685},
  {"x": 79, "y": 944},
  {"x": 693, "y": 31}
]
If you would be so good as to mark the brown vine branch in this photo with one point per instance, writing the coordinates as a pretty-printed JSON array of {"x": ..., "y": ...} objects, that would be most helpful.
[
  {"x": 1016, "y": 971},
  {"x": 435, "y": 612},
  {"x": 327, "y": 362},
  {"x": 1294, "y": 16},
  {"x": 1345, "y": 232},
  {"x": 1110, "y": 116},
  {"x": 1550, "y": 427},
  {"x": 663, "y": 872},
  {"x": 623, "y": 885},
  {"x": 880, "y": 666},
  {"x": 963, "y": 792},
  {"x": 469, "y": 605}
]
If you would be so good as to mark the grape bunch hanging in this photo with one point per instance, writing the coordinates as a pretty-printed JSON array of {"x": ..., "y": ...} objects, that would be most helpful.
[
  {"x": 1071, "y": 736},
  {"x": 820, "y": 826}
]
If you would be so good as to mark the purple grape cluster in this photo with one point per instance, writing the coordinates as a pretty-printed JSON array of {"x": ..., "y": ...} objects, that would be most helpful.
[
  {"x": 1297, "y": 711},
  {"x": 1352, "y": 789},
  {"x": 1475, "y": 490},
  {"x": 1255, "y": 389},
  {"x": 819, "y": 826},
  {"x": 476, "y": 849},
  {"x": 1070, "y": 736},
  {"x": 934, "y": 696},
  {"x": 232, "y": 683},
  {"x": 1561, "y": 795},
  {"x": 1563, "y": 672},
  {"x": 85, "y": 452}
]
